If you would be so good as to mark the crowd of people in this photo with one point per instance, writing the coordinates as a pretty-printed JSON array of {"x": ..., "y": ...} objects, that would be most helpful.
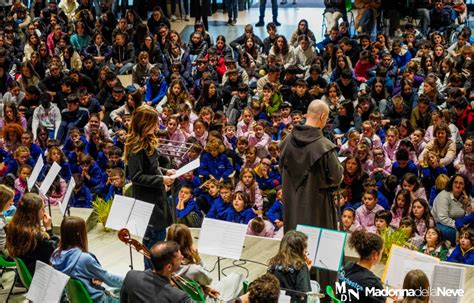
[{"x": 400, "y": 113}]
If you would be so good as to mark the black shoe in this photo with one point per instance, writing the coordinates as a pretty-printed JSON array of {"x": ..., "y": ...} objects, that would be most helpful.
[
  {"x": 229, "y": 22},
  {"x": 276, "y": 23},
  {"x": 260, "y": 24},
  {"x": 234, "y": 22}
]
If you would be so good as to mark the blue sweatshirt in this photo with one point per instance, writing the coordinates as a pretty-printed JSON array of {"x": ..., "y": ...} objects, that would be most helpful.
[
  {"x": 84, "y": 267},
  {"x": 218, "y": 209},
  {"x": 155, "y": 91},
  {"x": 275, "y": 212},
  {"x": 189, "y": 207},
  {"x": 82, "y": 198},
  {"x": 96, "y": 177},
  {"x": 400, "y": 172},
  {"x": 242, "y": 217},
  {"x": 204, "y": 195},
  {"x": 219, "y": 167},
  {"x": 460, "y": 256}
]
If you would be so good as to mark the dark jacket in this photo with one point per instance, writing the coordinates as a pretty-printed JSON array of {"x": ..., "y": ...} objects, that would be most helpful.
[
  {"x": 460, "y": 256},
  {"x": 43, "y": 250},
  {"x": 242, "y": 217},
  {"x": 218, "y": 210},
  {"x": 147, "y": 185},
  {"x": 292, "y": 279},
  {"x": 123, "y": 53},
  {"x": 147, "y": 286},
  {"x": 219, "y": 167}
]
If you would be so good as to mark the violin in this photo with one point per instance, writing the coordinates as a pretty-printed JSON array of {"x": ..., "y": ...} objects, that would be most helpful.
[{"x": 191, "y": 287}]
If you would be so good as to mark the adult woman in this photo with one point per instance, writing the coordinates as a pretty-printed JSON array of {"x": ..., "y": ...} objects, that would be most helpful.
[
  {"x": 144, "y": 167},
  {"x": 302, "y": 29},
  {"x": 441, "y": 145},
  {"x": 369, "y": 246},
  {"x": 193, "y": 268},
  {"x": 73, "y": 258},
  {"x": 291, "y": 264},
  {"x": 30, "y": 233},
  {"x": 453, "y": 203},
  {"x": 283, "y": 51}
]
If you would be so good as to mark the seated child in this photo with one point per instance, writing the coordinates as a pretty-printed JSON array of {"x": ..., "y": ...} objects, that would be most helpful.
[
  {"x": 431, "y": 170},
  {"x": 220, "y": 206},
  {"x": 370, "y": 183},
  {"x": 251, "y": 159},
  {"x": 241, "y": 210},
  {"x": 81, "y": 195},
  {"x": 249, "y": 185},
  {"x": 214, "y": 163},
  {"x": 190, "y": 179},
  {"x": 365, "y": 214},
  {"x": 408, "y": 225},
  {"x": 21, "y": 183},
  {"x": 400, "y": 207},
  {"x": 348, "y": 222},
  {"x": 93, "y": 176},
  {"x": 57, "y": 191},
  {"x": 420, "y": 212},
  {"x": 434, "y": 244},
  {"x": 261, "y": 228},
  {"x": 116, "y": 182},
  {"x": 464, "y": 251},
  {"x": 440, "y": 184},
  {"x": 74, "y": 156},
  {"x": 230, "y": 135},
  {"x": 21, "y": 156},
  {"x": 381, "y": 222},
  {"x": 275, "y": 213},
  {"x": 6, "y": 201},
  {"x": 55, "y": 154},
  {"x": 187, "y": 210},
  {"x": 207, "y": 195},
  {"x": 259, "y": 138}
]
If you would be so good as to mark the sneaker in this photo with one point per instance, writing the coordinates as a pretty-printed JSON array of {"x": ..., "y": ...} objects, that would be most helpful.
[
  {"x": 186, "y": 18},
  {"x": 229, "y": 22},
  {"x": 284, "y": 2},
  {"x": 173, "y": 18},
  {"x": 260, "y": 24},
  {"x": 276, "y": 23},
  {"x": 234, "y": 22}
]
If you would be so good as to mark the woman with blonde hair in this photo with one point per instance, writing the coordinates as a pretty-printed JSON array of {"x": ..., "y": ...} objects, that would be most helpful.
[
  {"x": 192, "y": 268},
  {"x": 149, "y": 178}
]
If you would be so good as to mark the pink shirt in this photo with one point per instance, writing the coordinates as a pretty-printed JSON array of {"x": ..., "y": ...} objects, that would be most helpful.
[
  {"x": 260, "y": 143},
  {"x": 257, "y": 200},
  {"x": 268, "y": 231},
  {"x": 376, "y": 142},
  {"x": 355, "y": 226},
  {"x": 386, "y": 166},
  {"x": 390, "y": 150},
  {"x": 366, "y": 217},
  {"x": 243, "y": 129},
  {"x": 421, "y": 226},
  {"x": 396, "y": 218}
]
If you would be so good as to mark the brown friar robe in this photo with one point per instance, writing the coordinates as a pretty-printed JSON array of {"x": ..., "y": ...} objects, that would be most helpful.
[{"x": 310, "y": 169}]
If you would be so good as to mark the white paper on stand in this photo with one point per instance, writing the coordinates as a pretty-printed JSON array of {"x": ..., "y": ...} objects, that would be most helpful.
[
  {"x": 187, "y": 168},
  {"x": 47, "y": 284},
  {"x": 330, "y": 259},
  {"x": 313, "y": 234},
  {"x": 70, "y": 187},
  {"x": 119, "y": 212},
  {"x": 48, "y": 181},
  {"x": 139, "y": 218},
  {"x": 35, "y": 173},
  {"x": 222, "y": 239},
  {"x": 449, "y": 277}
]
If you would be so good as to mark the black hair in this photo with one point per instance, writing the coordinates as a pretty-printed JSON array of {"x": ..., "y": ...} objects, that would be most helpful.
[
  {"x": 162, "y": 254},
  {"x": 365, "y": 243},
  {"x": 384, "y": 215}
]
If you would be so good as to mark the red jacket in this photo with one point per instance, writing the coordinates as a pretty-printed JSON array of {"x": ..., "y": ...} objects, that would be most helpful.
[{"x": 464, "y": 120}]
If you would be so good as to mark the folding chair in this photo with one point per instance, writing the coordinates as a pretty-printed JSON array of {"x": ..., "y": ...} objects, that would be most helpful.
[{"x": 77, "y": 292}]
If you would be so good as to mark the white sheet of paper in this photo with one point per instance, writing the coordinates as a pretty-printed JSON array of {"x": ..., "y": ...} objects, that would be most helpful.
[
  {"x": 283, "y": 298},
  {"x": 450, "y": 277},
  {"x": 119, "y": 212},
  {"x": 188, "y": 167},
  {"x": 222, "y": 239},
  {"x": 427, "y": 268},
  {"x": 67, "y": 196},
  {"x": 47, "y": 284},
  {"x": 342, "y": 159},
  {"x": 313, "y": 234},
  {"x": 48, "y": 181},
  {"x": 392, "y": 276},
  {"x": 35, "y": 173},
  {"x": 139, "y": 218},
  {"x": 332, "y": 248}
]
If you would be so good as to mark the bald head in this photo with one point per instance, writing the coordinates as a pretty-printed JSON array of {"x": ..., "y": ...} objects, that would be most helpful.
[{"x": 318, "y": 113}]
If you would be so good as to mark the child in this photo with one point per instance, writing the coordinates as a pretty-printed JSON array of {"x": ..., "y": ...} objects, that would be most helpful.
[
  {"x": 55, "y": 154},
  {"x": 420, "y": 212},
  {"x": 81, "y": 195},
  {"x": 467, "y": 149},
  {"x": 285, "y": 109},
  {"x": 57, "y": 191},
  {"x": 368, "y": 131},
  {"x": 275, "y": 213},
  {"x": 297, "y": 117},
  {"x": 277, "y": 126},
  {"x": 93, "y": 176},
  {"x": 74, "y": 136},
  {"x": 260, "y": 228},
  {"x": 238, "y": 103},
  {"x": 200, "y": 131},
  {"x": 21, "y": 183},
  {"x": 365, "y": 214},
  {"x": 214, "y": 163},
  {"x": 95, "y": 123},
  {"x": 249, "y": 185},
  {"x": 391, "y": 145},
  {"x": 190, "y": 179},
  {"x": 207, "y": 195},
  {"x": 408, "y": 225},
  {"x": 6, "y": 201},
  {"x": 245, "y": 125},
  {"x": 417, "y": 140},
  {"x": 267, "y": 178},
  {"x": 388, "y": 187},
  {"x": 431, "y": 169},
  {"x": 410, "y": 183},
  {"x": 380, "y": 166},
  {"x": 300, "y": 98},
  {"x": 382, "y": 221},
  {"x": 440, "y": 184},
  {"x": 370, "y": 183},
  {"x": 187, "y": 210},
  {"x": 259, "y": 138},
  {"x": 115, "y": 183},
  {"x": 351, "y": 144},
  {"x": 348, "y": 223},
  {"x": 156, "y": 88},
  {"x": 35, "y": 150},
  {"x": 219, "y": 207},
  {"x": 251, "y": 159},
  {"x": 434, "y": 244},
  {"x": 400, "y": 207},
  {"x": 403, "y": 165},
  {"x": 230, "y": 136},
  {"x": 274, "y": 153},
  {"x": 464, "y": 251},
  {"x": 241, "y": 210},
  {"x": 21, "y": 156}
]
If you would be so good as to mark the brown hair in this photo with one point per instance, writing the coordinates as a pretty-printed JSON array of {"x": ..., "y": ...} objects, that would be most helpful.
[
  {"x": 181, "y": 234},
  {"x": 140, "y": 138},
  {"x": 73, "y": 234}
]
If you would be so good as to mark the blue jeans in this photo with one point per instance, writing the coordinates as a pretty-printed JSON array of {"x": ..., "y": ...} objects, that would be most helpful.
[
  {"x": 232, "y": 9},
  {"x": 263, "y": 4},
  {"x": 448, "y": 233},
  {"x": 152, "y": 235},
  {"x": 367, "y": 20}
]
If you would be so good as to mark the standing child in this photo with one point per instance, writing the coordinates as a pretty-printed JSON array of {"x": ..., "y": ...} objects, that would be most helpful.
[
  {"x": 187, "y": 210},
  {"x": 420, "y": 212},
  {"x": 365, "y": 214},
  {"x": 400, "y": 207},
  {"x": 434, "y": 244},
  {"x": 241, "y": 210},
  {"x": 249, "y": 185},
  {"x": 21, "y": 183}
]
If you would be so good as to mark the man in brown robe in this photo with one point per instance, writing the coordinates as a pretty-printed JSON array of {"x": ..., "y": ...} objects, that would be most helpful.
[{"x": 310, "y": 169}]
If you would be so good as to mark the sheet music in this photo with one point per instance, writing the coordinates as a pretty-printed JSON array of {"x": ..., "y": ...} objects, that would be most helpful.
[
  {"x": 35, "y": 173},
  {"x": 332, "y": 248},
  {"x": 313, "y": 234},
  {"x": 187, "y": 168},
  {"x": 139, "y": 218},
  {"x": 48, "y": 181},
  {"x": 47, "y": 284},
  {"x": 222, "y": 239},
  {"x": 70, "y": 187},
  {"x": 342, "y": 159},
  {"x": 120, "y": 212},
  {"x": 427, "y": 268},
  {"x": 450, "y": 277},
  {"x": 397, "y": 256}
]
